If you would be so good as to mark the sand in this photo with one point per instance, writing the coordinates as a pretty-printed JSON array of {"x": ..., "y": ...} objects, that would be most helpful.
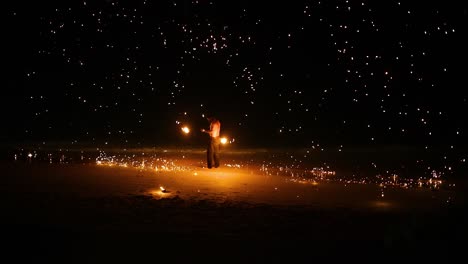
[{"x": 83, "y": 212}]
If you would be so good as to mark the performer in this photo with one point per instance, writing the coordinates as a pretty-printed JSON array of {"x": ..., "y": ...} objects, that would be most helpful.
[{"x": 213, "y": 146}]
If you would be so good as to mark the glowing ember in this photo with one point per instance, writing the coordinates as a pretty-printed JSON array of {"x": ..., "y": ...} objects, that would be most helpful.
[
  {"x": 186, "y": 130},
  {"x": 162, "y": 189}
]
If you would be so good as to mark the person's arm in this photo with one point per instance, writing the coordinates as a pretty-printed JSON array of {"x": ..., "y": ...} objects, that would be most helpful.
[
  {"x": 205, "y": 131},
  {"x": 210, "y": 132}
]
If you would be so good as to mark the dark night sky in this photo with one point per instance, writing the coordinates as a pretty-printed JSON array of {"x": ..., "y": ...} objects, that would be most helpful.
[{"x": 336, "y": 73}]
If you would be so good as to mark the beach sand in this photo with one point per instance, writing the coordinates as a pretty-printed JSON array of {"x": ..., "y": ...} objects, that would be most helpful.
[{"x": 89, "y": 213}]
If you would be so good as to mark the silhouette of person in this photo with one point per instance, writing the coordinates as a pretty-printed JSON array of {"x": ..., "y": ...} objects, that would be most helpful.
[{"x": 212, "y": 152}]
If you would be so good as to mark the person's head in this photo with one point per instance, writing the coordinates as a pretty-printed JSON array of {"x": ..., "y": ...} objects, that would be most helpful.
[{"x": 211, "y": 119}]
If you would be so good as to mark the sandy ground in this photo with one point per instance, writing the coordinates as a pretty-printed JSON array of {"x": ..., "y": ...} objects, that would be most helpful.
[{"x": 89, "y": 213}]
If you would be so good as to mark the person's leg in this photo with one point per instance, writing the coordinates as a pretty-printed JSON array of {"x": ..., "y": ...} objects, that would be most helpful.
[
  {"x": 216, "y": 153},
  {"x": 209, "y": 155}
]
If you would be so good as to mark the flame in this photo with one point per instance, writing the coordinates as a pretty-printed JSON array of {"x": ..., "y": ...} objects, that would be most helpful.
[
  {"x": 186, "y": 130},
  {"x": 224, "y": 140}
]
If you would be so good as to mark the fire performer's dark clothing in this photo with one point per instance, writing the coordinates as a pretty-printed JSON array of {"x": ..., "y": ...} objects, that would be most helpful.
[{"x": 213, "y": 152}]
